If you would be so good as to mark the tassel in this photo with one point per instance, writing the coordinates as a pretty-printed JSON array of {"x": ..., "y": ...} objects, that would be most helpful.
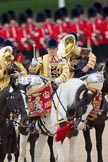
[{"x": 62, "y": 132}]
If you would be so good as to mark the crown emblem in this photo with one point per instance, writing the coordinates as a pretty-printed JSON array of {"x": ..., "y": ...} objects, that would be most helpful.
[{"x": 46, "y": 94}]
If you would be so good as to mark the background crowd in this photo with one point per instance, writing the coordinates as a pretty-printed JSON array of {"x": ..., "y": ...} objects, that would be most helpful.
[{"x": 28, "y": 28}]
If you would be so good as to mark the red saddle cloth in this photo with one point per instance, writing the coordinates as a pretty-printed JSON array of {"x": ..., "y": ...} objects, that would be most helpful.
[{"x": 39, "y": 100}]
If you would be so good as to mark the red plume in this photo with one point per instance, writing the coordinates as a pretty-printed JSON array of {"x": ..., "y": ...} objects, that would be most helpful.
[{"x": 61, "y": 133}]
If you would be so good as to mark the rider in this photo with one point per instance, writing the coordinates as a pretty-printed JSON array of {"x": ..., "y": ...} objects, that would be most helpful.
[
  {"x": 51, "y": 65},
  {"x": 78, "y": 58},
  {"x": 8, "y": 68}
]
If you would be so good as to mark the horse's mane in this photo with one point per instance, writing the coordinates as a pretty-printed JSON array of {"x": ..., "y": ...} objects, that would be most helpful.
[
  {"x": 68, "y": 88},
  {"x": 4, "y": 93}
]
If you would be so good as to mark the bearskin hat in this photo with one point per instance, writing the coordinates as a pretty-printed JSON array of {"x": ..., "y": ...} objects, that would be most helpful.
[
  {"x": 91, "y": 12},
  {"x": 1, "y": 41},
  {"x": 22, "y": 18},
  {"x": 64, "y": 10},
  {"x": 12, "y": 15},
  {"x": 29, "y": 13},
  {"x": 52, "y": 43},
  {"x": 48, "y": 13},
  {"x": 58, "y": 15},
  {"x": 80, "y": 8},
  {"x": 40, "y": 17},
  {"x": 74, "y": 13},
  {"x": 105, "y": 12},
  {"x": 98, "y": 7},
  {"x": 4, "y": 19}
]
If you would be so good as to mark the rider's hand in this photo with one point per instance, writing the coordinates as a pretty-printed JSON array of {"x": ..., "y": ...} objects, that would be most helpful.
[
  {"x": 34, "y": 62},
  {"x": 85, "y": 69},
  {"x": 15, "y": 75},
  {"x": 57, "y": 81}
]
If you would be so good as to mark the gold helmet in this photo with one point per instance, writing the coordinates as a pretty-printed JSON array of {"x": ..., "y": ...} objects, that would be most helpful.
[{"x": 67, "y": 46}]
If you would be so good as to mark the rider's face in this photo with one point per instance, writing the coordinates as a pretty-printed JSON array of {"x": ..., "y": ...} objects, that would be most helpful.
[{"x": 52, "y": 51}]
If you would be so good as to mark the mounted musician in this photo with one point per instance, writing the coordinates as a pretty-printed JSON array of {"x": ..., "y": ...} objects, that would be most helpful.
[
  {"x": 8, "y": 67},
  {"x": 56, "y": 71},
  {"x": 78, "y": 58},
  {"x": 51, "y": 65}
]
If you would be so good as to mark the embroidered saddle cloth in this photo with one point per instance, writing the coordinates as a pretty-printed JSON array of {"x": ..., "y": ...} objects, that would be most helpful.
[{"x": 39, "y": 100}]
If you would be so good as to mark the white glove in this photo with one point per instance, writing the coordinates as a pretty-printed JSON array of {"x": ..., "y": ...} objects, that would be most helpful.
[
  {"x": 57, "y": 81},
  {"x": 34, "y": 62}
]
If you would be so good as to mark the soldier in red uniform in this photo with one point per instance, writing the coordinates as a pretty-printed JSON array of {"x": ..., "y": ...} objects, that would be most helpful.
[
  {"x": 49, "y": 24},
  {"x": 76, "y": 26},
  {"x": 30, "y": 25},
  {"x": 40, "y": 36},
  {"x": 13, "y": 27},
  {"x": 94, "y": 36},
  {"x": 4, "y": 32},
  {"x": 24, "y": 38},
  {"x": 60, "y": 29},
  {"x": 99, "y": 15},
  {"x": 105, "y": 32},
  {"x": 82, "y": 24}
]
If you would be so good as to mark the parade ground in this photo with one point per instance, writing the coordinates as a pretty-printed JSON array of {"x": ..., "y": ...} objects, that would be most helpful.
[{"x": 80, "y": 151}]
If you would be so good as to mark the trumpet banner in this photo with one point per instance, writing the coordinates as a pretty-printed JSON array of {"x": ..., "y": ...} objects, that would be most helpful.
[{"x": 40, "y": 101}]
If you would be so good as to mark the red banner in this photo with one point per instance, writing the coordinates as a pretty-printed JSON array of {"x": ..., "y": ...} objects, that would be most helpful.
[{"x": 39, "y": 101}]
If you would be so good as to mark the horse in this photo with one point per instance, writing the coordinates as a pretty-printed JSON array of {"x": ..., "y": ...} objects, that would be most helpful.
[
  {"x": 12, "y": 101},
  {"x": 69, "y": 108},
  {"x": 98, "y": 123}
]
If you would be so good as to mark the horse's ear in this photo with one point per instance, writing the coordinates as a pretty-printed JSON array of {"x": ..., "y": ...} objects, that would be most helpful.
[{"x": 11, "y": 90}]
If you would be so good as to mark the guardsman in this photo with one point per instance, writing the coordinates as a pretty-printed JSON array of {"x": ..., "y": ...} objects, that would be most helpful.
[
  {"x": 105, "y": 32},
  {"x": 49, "y": 24},
  {"x": 24, "y": 38},
  {"x": 13, "y": 27},
  {"x": 60, "y": 29},
  {"x": 94, "y": 36},
  {"x": 40, "y": 36},
  {"x": 4, "y": 32},
  {"x": 51, "y": 66}
]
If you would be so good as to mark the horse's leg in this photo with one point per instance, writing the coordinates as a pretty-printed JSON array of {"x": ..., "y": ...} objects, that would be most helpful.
[
  {"x": 22, "y": 147},
  {"x": 50, "y": 144},
  {"x": 32, "y": 140},
  {"x": 60, "y": 153},
  {"x": 99, "y": 131},
  {"x": 39, "y": 146},
  {"x": 88, "y": 144},
  {"x": 72, "y": 152},
  {"x": 2, "y": 156},
  {"x": 16, "y": 154}
]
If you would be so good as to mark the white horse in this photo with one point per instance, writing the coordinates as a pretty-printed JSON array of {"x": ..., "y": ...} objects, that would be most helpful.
[{"x": 71, "y": 98}]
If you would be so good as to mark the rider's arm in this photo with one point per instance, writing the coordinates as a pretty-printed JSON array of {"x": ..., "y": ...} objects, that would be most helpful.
[
  {"x": 38, "y": 67},
  {"x": 92, "y": 61},
  {"x": 1, "y": 72},
  {"x": 21, "y": 67},
  {"x": 65, "y": 72}
]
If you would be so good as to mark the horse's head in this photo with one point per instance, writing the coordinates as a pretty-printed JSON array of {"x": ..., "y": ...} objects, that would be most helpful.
[
  {"x": 13, "y": 99},
  {"x": 81, "y": 106}
]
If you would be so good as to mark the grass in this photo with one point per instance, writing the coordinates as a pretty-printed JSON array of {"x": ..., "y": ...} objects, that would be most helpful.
[{"x": 37, "y": 5}]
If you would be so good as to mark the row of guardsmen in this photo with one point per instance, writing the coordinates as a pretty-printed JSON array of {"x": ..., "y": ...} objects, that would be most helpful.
[{"x": 25, "y": 30}]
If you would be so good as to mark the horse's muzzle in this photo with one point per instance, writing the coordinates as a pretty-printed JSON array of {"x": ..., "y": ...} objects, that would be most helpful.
[{"x": 24, "y": 121}]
